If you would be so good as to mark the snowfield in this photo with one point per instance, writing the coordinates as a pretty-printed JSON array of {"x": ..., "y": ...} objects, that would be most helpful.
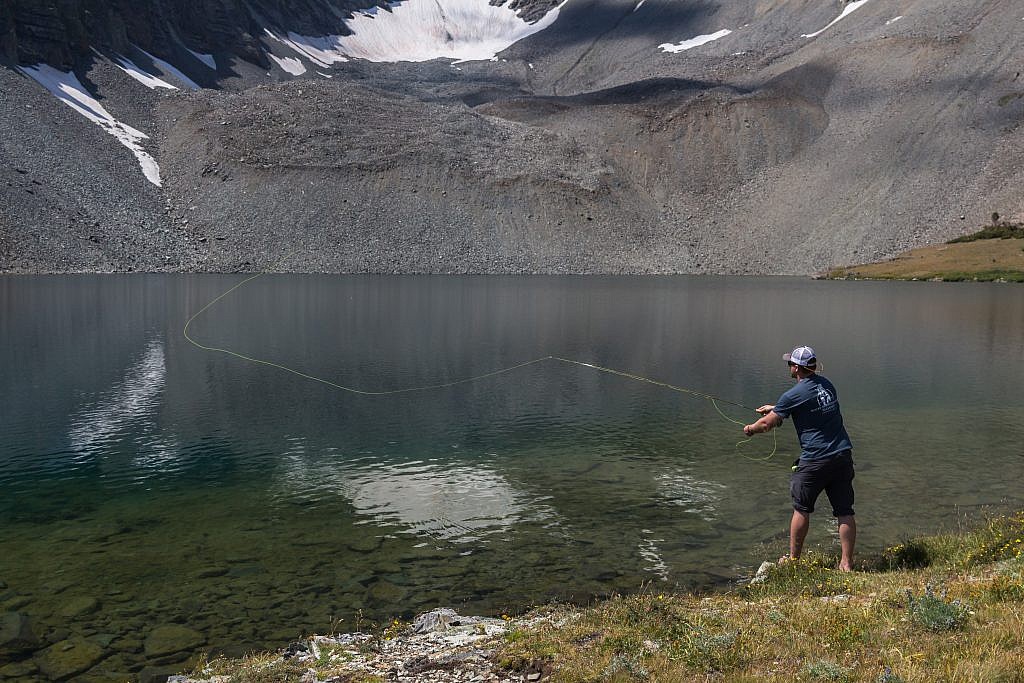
[{"x": 417, "y": 31}]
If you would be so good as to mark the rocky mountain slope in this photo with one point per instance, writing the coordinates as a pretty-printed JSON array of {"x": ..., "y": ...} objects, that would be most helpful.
[{"x": 749, "y": 136}]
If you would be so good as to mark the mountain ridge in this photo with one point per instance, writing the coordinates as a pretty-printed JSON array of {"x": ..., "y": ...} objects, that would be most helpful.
[{"x": 583, "y": 147}]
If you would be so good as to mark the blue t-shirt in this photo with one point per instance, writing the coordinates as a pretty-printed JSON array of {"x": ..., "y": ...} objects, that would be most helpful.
[{"x": 814, "y": 407}]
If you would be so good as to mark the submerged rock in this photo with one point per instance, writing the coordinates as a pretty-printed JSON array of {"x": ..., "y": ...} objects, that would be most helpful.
[
  {"x": 17, "y": 634},
  {"x": 68, "y": 657},
  {"x": 171, "y": 638},
  {"x": 17, "y": 602},
  {"x": 365, "y": 544},
  {"x": 18, "y": 670},
  {"x": 76, "y": 607},
  {"x": 386, "y": 592},
  {"x": 211, "y": 572}
]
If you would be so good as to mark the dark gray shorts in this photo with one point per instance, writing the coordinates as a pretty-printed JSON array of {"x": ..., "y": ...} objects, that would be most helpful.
[{"x": 833, "y": 475}]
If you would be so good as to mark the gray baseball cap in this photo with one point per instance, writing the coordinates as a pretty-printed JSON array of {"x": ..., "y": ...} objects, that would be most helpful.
[{"x": 802, "y": 356}]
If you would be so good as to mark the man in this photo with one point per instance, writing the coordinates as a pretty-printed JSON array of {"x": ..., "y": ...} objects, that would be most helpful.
[{"x": 826, "y": 459}]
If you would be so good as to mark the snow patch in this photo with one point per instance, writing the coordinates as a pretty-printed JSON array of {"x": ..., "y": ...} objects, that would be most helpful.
[
  {"x": 172, "y": 70},
  {"x": 322, "y": 51},
  {"x": 208, "y": 60},
  {"x": 148, "y": 80},
  {"x": 893, "y": 20},
  {"x": 639, "y": 5},
  {"x": 68, "y": 89},
  {"x": 846, "y": 11},
  {"x": 418, "y": 31},
  {"x": 694, "y": 42},
  {"x": 325, "y": 75},
  {"x": 292, "y": 66}
]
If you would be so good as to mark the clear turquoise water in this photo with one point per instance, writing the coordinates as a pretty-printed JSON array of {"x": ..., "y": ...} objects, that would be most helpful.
[{"x": 145, "y": 481}]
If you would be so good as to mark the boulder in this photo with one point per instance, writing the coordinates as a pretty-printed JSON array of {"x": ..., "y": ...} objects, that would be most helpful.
[
  {"x": 171, "y": 638},
  {"x": 436, "y": 620},
  {"x": 444, "y": 618}
]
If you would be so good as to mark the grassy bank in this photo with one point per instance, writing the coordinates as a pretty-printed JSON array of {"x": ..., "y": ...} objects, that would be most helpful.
[
  {"x": 945, "y": 608},
  {"x": 996, "y": 252},
  {"x": 941, "y": 608}
]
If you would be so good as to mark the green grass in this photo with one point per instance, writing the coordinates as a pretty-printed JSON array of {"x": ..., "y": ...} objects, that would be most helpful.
[
  {"x": 939, "y": 608},
  {"x": 998, "y": 230},
  {"x": 978, "y": 276}
]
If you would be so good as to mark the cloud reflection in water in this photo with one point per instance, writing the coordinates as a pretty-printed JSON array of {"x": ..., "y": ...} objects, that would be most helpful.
[{"x": 437, "y": 498}]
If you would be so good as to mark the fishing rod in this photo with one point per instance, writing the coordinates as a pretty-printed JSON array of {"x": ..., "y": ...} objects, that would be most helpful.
[{"x": 715, "y": 400}]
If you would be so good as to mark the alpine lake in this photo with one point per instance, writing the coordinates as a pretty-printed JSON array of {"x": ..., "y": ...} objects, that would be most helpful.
[{"x": 159, "y": 499}]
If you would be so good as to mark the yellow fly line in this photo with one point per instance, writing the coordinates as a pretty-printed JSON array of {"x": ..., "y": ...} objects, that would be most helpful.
[{"x": 715, "y": 400}]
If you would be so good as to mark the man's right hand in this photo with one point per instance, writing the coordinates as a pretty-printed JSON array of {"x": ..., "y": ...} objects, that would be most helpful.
[{"x": 765, "y": 409}]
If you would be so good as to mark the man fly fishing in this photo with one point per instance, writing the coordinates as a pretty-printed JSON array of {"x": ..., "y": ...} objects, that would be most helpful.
[{"x": 826, "y": 459}]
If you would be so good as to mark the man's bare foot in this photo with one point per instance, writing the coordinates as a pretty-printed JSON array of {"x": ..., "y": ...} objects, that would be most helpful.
[
  {"x": 785, "y": 558},
  {"x": 844, "y": 567}
]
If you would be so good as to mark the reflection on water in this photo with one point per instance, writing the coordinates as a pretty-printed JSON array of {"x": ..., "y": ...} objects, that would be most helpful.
[
  {"x": 127, "y": 411},
  {"x": 158, "y": 483},
  {"x": 681, "y": 489},
  {"x": 655, "y": 563},
  {"x": 458, "y": 503}
]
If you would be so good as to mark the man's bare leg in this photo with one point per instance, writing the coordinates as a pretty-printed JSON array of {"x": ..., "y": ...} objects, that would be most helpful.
[
  {"x": 798, "y": 527},
  {"x": 847, "y": 539}
]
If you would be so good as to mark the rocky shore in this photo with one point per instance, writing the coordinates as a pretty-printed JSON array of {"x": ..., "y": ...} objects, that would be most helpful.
[{"x": 439, "y": 645}]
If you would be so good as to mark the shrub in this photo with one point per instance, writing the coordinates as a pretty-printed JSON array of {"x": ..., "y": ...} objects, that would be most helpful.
[
  {"x": 911, "y": 554},
  {"x": 824, "y": 670},
  {"x": 934, "y": 613},
  {"x": 1002, "y": 538},
  {"x": 998, "y": 230}
]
